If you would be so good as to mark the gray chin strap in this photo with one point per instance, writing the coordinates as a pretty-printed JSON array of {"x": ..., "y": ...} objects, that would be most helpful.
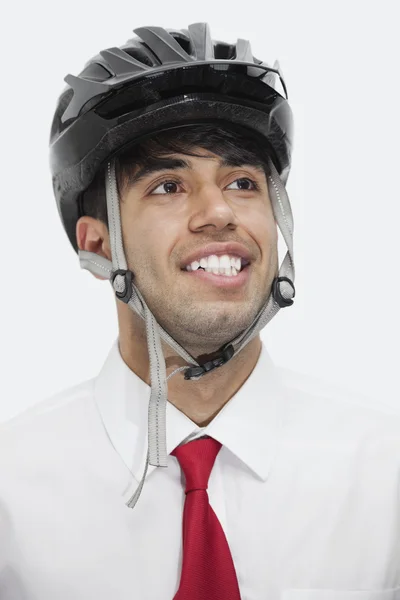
[{"x": 121, "y": 279}]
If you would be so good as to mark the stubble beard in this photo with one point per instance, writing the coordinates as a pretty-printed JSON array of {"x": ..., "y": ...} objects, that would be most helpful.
[{"x": 201, "y": 327}]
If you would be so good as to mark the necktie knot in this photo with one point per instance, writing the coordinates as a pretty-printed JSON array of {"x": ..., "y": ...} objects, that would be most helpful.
[{"x": 196, "y": 459}]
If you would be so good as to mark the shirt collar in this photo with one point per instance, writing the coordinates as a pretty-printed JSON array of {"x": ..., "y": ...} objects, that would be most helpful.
[{"x": 248, "y": 425}]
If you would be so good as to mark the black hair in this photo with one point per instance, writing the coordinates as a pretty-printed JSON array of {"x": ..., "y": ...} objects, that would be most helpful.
[{"x": 228, "y": 144}]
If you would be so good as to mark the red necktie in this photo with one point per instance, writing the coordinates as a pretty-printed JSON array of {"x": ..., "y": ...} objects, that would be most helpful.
[{"x": 208, "y": 572}]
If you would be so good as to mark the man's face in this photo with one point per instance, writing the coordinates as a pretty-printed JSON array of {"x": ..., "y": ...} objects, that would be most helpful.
[{"x": 170, "y": 216}]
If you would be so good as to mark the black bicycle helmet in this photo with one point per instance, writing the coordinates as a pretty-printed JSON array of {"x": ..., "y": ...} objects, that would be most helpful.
[{"x": 158, "y": 80}]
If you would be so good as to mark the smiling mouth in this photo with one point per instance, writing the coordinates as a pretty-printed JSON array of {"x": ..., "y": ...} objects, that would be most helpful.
[{"x": 211, "y": 271}]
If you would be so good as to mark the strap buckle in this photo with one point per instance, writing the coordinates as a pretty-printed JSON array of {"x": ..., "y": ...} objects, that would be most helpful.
[{"x": 196, "y": 372}]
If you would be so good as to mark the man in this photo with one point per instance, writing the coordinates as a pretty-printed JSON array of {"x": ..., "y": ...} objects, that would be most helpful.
[{"x": 169, "y": 158}]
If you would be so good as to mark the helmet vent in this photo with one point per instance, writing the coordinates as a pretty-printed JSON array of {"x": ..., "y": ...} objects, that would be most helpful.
[
  {"x": 95, "y": 72},
  {"x": 225, "y": 51},
  {"x": 184, "y": 42},
  {"x": 141, "y": 55}
]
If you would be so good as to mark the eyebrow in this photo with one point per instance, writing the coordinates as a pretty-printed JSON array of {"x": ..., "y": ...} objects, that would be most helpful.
[{"x": 170, "y": 164}]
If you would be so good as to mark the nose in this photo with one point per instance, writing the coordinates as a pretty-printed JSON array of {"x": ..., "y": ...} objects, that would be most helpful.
[{"x": 211, "y": 208}]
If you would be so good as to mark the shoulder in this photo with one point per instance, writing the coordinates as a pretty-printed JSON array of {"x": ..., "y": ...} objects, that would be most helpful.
[
  {"x": 339, "y": 415},
  {"x": 317, "y": 387},
  {"x": 44, "y": 452},
  {"x": 49, "y": 417}
]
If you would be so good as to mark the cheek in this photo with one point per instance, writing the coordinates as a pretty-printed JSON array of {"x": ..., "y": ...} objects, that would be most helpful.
[
  {"x": 262, "y": 227},
  {"x": 136, "y": 227},
  {"x": 150, "y": 239}
]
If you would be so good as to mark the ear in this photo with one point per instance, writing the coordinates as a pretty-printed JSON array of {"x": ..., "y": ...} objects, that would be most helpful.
[{"x": 92, "y": 236}]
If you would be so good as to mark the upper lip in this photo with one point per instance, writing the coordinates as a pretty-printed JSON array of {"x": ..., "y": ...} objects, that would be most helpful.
[{"x": 231, "y": 248}]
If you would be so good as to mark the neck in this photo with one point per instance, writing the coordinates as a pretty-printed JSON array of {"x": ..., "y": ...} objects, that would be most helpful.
[{"x": 199, "y": 400}]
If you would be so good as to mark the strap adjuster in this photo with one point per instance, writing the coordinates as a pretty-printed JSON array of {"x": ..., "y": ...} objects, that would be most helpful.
[
  {"x": 195, "y": 372},
  {"x": 126, "y": 295},
  {"x": 276, "y": 292}
]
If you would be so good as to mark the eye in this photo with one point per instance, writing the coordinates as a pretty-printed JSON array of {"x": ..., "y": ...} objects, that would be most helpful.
[
  {"x": 244, "y": 179},
  {"x": 170, "y": 182}
]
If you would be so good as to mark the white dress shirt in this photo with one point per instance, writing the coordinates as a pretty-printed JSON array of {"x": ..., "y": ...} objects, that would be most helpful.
[{"x": 306, "y": 487}]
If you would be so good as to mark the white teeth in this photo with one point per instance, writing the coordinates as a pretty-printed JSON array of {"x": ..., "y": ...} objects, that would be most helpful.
[
  {"x": 213, "y": 262},
  {"x": 217, "y": 264},
  {"x": 231, "y": 272},
  {"x": 224, "y": 262},
  {"x": 236, "y": 262}
]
